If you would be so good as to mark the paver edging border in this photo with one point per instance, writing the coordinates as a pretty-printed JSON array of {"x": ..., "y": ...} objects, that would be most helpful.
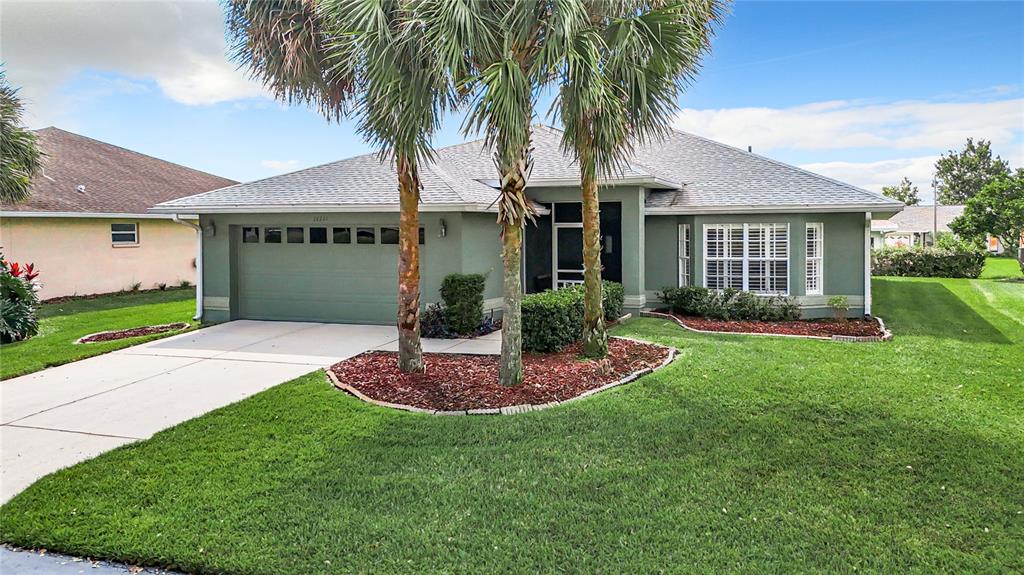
[
  {"x": 184, "y": 325},
  {"x": 512, "y": 409},
  {"x": 886, "y": 334}
]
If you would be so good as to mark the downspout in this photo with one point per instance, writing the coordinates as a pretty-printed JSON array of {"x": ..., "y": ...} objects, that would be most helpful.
[
  {"x": 176, "y": 218},
  {"x": 867, "y": 263}
]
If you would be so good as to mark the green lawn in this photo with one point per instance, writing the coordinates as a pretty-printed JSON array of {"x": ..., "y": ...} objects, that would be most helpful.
[
  {"x": 745, "y": 455},
  {"x": 997, "y": 268},
  {"x": 61, "y": 324}
]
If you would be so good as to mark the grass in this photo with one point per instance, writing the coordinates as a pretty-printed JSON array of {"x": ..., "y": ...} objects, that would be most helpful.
[
  {"x": 61, "y": 324},
  {"x": 745, "y": 455},
  {"x": 1001, "y": 268}
]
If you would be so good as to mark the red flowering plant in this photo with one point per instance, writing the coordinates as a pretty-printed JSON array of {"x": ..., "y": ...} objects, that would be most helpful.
[{"x": 18, "y": 301}]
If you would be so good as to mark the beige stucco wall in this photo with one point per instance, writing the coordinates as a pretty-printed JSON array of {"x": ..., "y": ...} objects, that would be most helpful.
[{"x": 75, "y": 256}]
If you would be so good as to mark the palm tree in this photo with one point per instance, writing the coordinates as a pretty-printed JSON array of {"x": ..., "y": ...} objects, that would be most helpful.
[
  {"x": 620, "y": 82},
  {"x": 368, "y": 58},
  {"x": 20, "y": 158},
  {"x": 503, "y": 51}
]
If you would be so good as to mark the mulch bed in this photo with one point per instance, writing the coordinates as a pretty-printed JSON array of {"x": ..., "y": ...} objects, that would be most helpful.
[
  {"x": 454, "y": 382},
  {"x": 810, "y": 327},
  {"x": 133, "y": 332}
]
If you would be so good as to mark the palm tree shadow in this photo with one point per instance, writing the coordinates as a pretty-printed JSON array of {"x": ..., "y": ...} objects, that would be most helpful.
[{"x": 930, "y": 309}]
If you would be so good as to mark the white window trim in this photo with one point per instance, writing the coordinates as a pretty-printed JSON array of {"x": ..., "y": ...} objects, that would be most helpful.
[
  {"x": 684, "y": 255},
  {"x": 130, "y": 244},
  {"x": 819, "y": 243},
  {"x": 746, "y": 255}
]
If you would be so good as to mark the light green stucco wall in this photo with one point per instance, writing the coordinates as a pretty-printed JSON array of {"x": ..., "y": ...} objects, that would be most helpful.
[
  {"x": 843, "y": 259},
  {"x": 470, "y": 245}
]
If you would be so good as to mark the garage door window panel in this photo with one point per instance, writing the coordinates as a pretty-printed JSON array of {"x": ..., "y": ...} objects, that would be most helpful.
[
  {"x": 318, "y": 235},
  {"x": 366, "y": 236},
  {"x": 272, "y": 235}
]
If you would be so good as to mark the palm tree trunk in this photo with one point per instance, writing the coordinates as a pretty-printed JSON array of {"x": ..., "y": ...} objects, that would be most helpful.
[
  {"x": 512, "y": 210},
  {"x": 595, "y": 338},
  {"x": 410, "y": 352},
  {"x": 511, "y": 371}
]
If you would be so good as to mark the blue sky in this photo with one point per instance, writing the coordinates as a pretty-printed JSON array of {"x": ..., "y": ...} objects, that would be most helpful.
[{"x": 862, "y": 91}]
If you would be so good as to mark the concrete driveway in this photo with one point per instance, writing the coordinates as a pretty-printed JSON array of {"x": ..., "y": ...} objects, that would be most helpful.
[{"x": 60, "y": 416}]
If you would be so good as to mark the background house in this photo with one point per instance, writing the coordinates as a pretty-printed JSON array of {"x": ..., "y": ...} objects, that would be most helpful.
[
  {"x": 86, "y": 227},
  {"x": 914, "y": 226},
  {"x": 321, "y": 244}
]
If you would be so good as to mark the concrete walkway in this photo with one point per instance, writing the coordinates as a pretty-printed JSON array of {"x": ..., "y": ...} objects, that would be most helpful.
[{"x": 63, "y": 415}]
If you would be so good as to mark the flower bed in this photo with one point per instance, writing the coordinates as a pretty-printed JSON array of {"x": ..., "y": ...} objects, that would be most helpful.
[
  {"x": 457, "y": 383},
  {"x": 132, "y": 332},
  {"x": 823, "y": 328}
]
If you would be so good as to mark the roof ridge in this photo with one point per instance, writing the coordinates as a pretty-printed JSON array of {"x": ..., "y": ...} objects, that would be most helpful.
[
  {"x": 136, "y": 152},
  {"x": 779, "y": 163}
]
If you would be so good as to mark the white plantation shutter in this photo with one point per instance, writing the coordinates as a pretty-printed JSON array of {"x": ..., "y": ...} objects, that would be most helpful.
[
  {"x": 684, "y": 255},
  {"x": 750, "y": 257},
  {"x": 815, "y": 252}
]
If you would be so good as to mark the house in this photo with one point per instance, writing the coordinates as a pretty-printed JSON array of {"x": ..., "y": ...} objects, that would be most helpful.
[
  {"x": 321, "y": 244},
  {"x": 85, "y": 225},
  {"x": 914, "y": 226}
]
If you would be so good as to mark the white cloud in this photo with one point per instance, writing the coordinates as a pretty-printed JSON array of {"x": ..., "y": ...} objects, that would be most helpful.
[
  {"x": 280, "y": 165},
  {"x": 844, "y": 124},
  {"x": 873, "y": 175},
  {"x": 179, "y": 45}
]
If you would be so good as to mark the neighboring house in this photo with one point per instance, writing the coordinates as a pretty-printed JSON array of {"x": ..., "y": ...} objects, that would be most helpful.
[
  {"x": 86, "y": 227},
  {"x": 914, "y": 226},
  {"x": 321, "y": 244}
]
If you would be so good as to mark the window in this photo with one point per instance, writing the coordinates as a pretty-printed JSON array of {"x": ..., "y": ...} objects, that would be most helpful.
[
  {"x": 684, "y": 255},
  {"x": 318, "y": 235},
  {"x": 250, "y": 235},
  {"x": 389, "y": 235},
  {"x": 366, "y": 236},
  {"x": 723, "y": 256},
  {"x": 271, "y": 235},
  {"x": 342, "y": 235},
  {"x": 750, "y": 257},
  {"x": 423, "y": 236},
  {"x": 815, "y": 251},
  {"x": 296, "y": 235},
  {"x": 124, "y": 234}
]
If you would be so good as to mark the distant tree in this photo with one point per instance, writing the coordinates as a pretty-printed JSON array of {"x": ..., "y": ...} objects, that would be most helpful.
[
  {"x": 904, "y": 192},
  {"x": 998, "y": 209},
  {"x": 20, "y": 157},
  {"x": 961, "y": 175}
]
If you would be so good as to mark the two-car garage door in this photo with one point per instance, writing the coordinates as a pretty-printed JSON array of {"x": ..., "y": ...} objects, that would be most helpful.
[{"x": 318, "y": 273}]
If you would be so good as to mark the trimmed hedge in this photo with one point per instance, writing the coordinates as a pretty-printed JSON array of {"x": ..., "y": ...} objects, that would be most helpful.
[
  {"x": 932, "y": 262},
  {"x": 729, "y": 304},
  {"x": 553, "y": 319},
  {"x": 463, "y": 296}
]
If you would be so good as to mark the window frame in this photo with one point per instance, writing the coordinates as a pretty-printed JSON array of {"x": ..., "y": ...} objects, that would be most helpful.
[
  {"x": 124, "y": 244},
  {"x": 818, "y": 259},
  {"x": 729, "y": 259}
]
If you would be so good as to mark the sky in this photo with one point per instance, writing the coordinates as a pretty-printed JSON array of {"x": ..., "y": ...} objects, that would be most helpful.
[{"x": 865, "y": 92}]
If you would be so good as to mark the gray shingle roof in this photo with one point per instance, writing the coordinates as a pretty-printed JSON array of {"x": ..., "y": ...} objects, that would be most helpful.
[
  {"x": 715, "y": 175},
  {"x": 919, "y": 219},
  {"x": 709, "y": 175}
]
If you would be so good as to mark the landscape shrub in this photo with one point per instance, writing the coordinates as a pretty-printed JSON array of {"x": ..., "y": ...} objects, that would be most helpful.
[
  {"x": 728, "y": 304},
  {"x": 937, "y": 262},
  {"x": 463, "y": 296},
  {"x": 553, "y": 319},
  {"x": 18, "y": 301},
  {"x": 432, "y": 323}
]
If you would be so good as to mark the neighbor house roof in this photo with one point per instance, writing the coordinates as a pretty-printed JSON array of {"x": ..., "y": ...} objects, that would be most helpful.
[
  {"x": 919, "y": 219},
  {"x": 81, "y": 176},
  {"x": 686, "y": 174}
]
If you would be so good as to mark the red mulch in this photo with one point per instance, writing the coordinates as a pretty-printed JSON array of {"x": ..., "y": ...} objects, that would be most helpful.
[
  {"x": 133, "y": 332},
  {"x": 455, "y": 382},
  {"x": 814, "y": 327}
]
